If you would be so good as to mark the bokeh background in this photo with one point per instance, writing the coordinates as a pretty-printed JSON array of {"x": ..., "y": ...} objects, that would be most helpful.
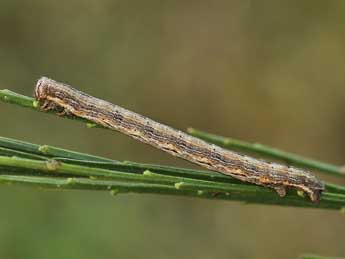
[{"x": 261, "y": 71}]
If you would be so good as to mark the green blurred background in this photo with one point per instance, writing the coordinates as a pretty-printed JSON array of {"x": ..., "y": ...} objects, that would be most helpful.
[{"x": 262, "y": 71}]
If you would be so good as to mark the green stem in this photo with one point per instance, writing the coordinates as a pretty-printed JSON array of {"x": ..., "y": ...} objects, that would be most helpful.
[
  {"x": 15, "y": 98},
  {"x": 38, "y": 151},
  {"x": 10, "y": 147},
  {"x": 86, "y": 184},
  {"x": 21, "y": 149},
  {"x": 267, "y": 151},
  {"x": 183, "y": 185},
  {"x": 56, "y": 168}
]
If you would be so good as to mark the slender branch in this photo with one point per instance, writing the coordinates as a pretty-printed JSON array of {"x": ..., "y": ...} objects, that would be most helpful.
[
  {"x": 8, "y": 96},
  {"x": 10, "y": 147},
  {"x": 39, "y": 151},
  {"x": 15, "y": 98},
  {"x": 64, "y": 176},
  {"x": 87, "y": 184},
  {"x": 267, "y": 151},
  {"x": 21, "y": 149},
  {"x": 184, "y": 184}
]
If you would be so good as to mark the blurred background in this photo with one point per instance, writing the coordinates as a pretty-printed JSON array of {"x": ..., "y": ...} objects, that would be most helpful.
[{"x": 262, "y": 71}]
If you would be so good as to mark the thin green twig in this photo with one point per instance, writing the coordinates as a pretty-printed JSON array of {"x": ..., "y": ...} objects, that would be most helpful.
[
  {"x": 167, "y": 180},
  {"x": 64, "y": 176},
  {"x": 11, "y": 97},
  {"x": 267, "y": 151},
  {"x": 21, "y": 148},
  {"x": 42, "y": 151}
]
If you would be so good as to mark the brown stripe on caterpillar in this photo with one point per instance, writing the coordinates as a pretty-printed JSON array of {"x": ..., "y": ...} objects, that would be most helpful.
[{"x": 63, "y": 98}]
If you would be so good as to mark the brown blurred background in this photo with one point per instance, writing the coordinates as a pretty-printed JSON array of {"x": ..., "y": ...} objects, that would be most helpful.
[{"x": 262, "y": 71}]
